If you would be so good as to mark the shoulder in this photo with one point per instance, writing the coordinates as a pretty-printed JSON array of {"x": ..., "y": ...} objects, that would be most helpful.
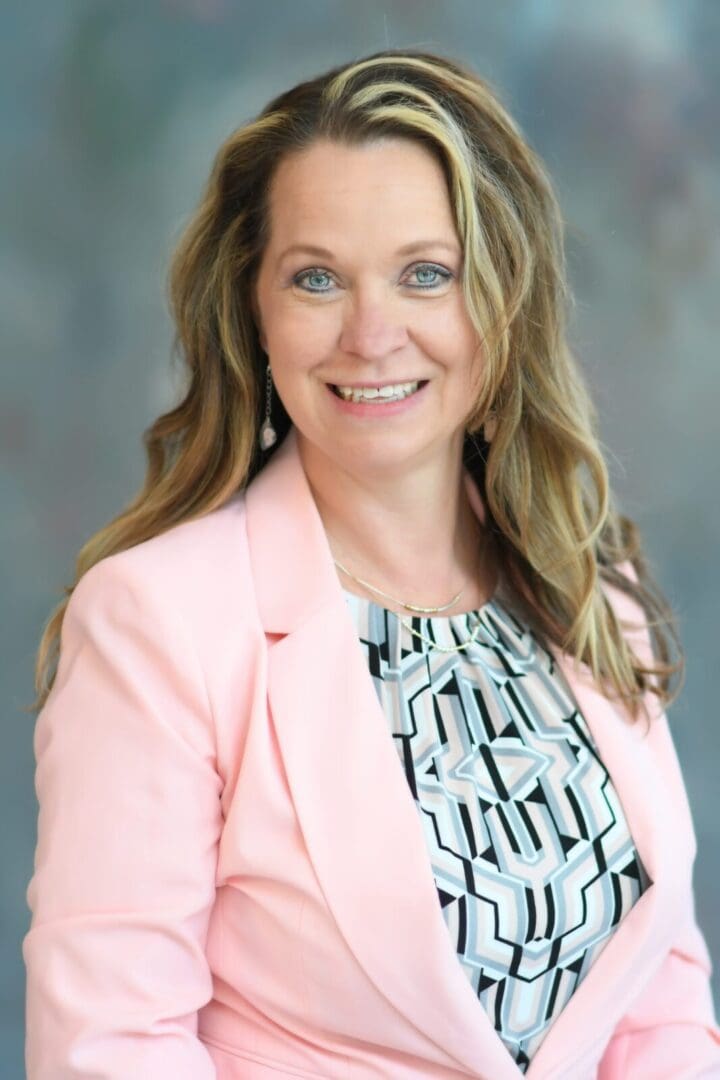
[
  {"x": 630, "y": 614},
  {"x": 172, "y": 621},
  {"x": 659, "y": 737},
  {"x": 196, "y": 573},
  {"x": 183, "y": 558}
]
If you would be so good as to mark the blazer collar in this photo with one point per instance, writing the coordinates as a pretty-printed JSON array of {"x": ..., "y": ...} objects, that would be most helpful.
[{"x": 333, "y": 739}]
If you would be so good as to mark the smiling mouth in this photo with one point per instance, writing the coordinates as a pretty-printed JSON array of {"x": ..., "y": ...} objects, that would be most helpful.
[{"x": 378, "y": 398}]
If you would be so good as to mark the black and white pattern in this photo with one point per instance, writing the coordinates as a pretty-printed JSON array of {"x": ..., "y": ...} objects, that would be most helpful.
[{"x": 528, "y": 843}]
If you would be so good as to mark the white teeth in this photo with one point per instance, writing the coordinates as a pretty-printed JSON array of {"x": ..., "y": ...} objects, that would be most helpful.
[{"x": 368, "y": 393}]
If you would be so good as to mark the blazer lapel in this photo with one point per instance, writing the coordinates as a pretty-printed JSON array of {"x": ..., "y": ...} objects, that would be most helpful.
[
  {"x": 359, "y": 820},
  {"x": 635, "y": 950}
]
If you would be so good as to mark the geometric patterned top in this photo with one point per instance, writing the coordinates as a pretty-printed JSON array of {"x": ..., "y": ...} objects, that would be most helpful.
[{"x": 530, "y": 850}]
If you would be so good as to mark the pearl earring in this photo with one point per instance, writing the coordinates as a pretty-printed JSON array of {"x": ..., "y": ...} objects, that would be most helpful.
[{"x": 268, "y": 434}]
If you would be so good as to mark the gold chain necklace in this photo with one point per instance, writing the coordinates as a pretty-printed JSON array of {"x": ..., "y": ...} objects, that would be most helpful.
[
  {"x": 445, "y": 648},
  {"x": 415, "y": 607}
]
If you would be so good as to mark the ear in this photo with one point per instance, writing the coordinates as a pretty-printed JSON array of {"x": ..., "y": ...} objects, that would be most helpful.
[{"x": 490, "y": 426}]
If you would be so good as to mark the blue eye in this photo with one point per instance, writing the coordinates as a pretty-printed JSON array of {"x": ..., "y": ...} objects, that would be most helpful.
[
  {"x": 426, "y": 268},
  {"x": 311, "y": 274},
  {"x": 421, "y": 268}
]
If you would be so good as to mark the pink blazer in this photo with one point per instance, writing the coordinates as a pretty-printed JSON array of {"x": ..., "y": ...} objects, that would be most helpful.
[{"x": 231, "y": 878}]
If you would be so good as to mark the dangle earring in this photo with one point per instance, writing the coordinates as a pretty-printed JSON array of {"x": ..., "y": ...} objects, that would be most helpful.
[{"x": 268, "y": 434}]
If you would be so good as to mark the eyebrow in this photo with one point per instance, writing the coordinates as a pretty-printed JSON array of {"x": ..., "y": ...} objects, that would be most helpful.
[{"x": 407, "y": 249}]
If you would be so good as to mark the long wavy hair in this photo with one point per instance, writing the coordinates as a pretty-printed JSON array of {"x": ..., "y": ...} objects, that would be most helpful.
[{"x": 543, "y": 476}]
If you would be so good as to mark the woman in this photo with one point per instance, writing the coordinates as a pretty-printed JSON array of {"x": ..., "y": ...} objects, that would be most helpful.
[{"x": 355, "y": 762}]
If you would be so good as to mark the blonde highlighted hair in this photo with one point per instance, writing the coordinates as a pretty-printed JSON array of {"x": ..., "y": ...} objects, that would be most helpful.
[{"x": 543, "y": 476}]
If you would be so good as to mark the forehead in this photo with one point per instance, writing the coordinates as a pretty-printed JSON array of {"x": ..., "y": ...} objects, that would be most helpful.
[{"x": 384, "y": 183}]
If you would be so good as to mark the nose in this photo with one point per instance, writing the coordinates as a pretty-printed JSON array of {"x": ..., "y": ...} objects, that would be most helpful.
[{"x": 372, "y": 328}]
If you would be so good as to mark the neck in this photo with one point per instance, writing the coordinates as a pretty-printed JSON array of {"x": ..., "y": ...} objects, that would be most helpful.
[{"x": 412, "y": 534}]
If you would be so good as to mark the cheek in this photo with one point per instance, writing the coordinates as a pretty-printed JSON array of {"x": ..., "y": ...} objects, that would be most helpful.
[
  {"x": 302, "y": 334},
  {"x": 297, "y": 350},
  {"x": 455, "y": 342}
]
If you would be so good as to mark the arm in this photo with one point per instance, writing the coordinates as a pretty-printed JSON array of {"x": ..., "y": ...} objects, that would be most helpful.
[
  {"x": 670, "y": 1032},
  {"x": 128, "y": 826}
]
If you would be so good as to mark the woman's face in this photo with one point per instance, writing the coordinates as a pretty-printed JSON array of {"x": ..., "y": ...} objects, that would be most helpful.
[{"x": 341, "y": 299}]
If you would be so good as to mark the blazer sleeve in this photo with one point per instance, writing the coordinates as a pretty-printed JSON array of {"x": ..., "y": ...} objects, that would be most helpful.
[
  {"x": 670, "y": 1033},
  {"x": 128, "y": 827}
]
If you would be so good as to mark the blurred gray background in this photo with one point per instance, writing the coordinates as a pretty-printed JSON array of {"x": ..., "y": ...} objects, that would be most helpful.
[{"x": 111, "y": 115}]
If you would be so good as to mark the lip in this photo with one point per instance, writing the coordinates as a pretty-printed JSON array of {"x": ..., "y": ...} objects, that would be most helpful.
[
  {"x": 379, "y": 383},
  {"x": 378, "y": 412}
]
